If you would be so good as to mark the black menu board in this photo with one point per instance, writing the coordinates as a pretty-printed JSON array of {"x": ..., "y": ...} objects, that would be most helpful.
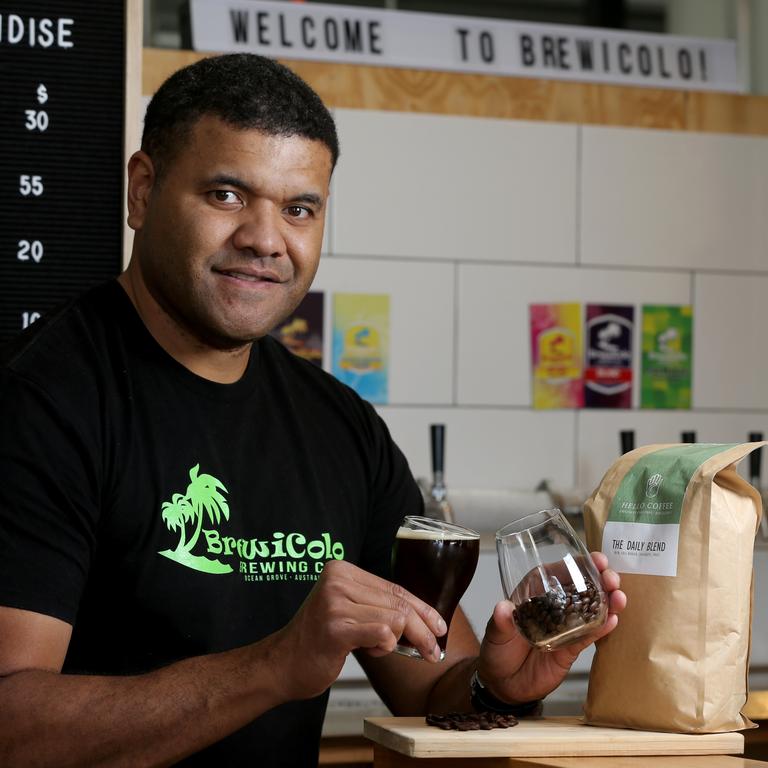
[{"x": 62, "y": 83}]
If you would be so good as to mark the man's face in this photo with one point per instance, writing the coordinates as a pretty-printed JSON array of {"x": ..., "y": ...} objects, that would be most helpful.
[{"x": 228, "y": 241}]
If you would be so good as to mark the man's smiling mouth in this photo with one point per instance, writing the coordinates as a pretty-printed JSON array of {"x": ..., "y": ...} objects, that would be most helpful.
[{"x": 251, "y": 276}]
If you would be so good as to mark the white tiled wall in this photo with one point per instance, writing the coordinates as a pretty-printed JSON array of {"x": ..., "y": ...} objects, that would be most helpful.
[
  {"x": 465, "y": 221},
  {"x": 731, "y": 318},
  {"x": 673, "y": 199},
  {"x": 456, "y": 188}
]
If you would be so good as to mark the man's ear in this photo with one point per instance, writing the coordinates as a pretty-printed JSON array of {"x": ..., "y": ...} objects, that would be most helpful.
[{"x": 141, "y": 180}]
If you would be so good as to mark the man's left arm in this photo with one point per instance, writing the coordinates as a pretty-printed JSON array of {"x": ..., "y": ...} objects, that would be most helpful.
[
  {"x": 511, "y": 670},
  {"x": 414, "y": 687}
]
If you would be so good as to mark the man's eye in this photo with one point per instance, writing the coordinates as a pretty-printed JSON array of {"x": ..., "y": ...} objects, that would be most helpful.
[
  {"x": 225, "y": 196},
  {"x": 298, "y": 211}
]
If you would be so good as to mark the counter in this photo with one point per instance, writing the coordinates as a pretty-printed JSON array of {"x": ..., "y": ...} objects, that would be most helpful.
[
  {"x": 408, "y": 741},
  {"x": 386, "y": 758}
]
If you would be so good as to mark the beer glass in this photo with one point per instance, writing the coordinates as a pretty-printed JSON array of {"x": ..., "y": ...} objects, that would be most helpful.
[
  {"x": 551, "y": 580},
  {"x": 435, "y": 561}
]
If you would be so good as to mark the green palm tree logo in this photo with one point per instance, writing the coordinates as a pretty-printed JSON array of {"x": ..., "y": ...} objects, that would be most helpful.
[{"x": 203, "y": 498}]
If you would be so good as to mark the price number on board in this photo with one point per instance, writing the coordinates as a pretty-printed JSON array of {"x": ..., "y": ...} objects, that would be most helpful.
[
  {"x": 30, "y": 185},
  {"x": 27, "y": 318},
  {"x": 37, "y": 120},
  {"x": 30, "y": 249}
]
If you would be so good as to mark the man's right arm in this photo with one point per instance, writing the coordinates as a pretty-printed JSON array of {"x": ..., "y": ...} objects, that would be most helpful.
[{"x": 49, "y": 718}]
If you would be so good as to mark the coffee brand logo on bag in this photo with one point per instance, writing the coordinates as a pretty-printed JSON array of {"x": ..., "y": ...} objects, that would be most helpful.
[
  {"x": 653, "y": 485},
  {"x": 284, "y": 557}
]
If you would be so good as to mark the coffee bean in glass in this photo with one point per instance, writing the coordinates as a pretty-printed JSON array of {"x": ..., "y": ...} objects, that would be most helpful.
[
  {"x": 551, "y": 580},
  {"x": 435, "y": 561}
]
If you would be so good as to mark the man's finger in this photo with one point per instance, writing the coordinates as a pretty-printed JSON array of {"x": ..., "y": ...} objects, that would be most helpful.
[
  {"x": 424, "y": 611},
  {"x": 366, "y": 588},
  {"x": 374, "y": 637},
  {"x": 504, "y": 650},
  {"x": 617, "y": 601},
  {"x": 428, "y": 614},
  {"x": 362, "y": 598},
  {"x": 610, "y": 580},
  {"x": 398, "y": 623},
  {"x": 501, "y": 627}
]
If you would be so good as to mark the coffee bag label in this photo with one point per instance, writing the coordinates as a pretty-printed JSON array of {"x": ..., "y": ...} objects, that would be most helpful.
[
  {"x": 643, "y": 526},
  {"x": 641, "y": 548}
]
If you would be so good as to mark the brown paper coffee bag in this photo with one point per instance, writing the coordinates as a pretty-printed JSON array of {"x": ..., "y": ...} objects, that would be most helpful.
[{"x": 678, "y": 523}]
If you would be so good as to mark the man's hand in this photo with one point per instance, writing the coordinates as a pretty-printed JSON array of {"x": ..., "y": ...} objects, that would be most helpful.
[
  {"x": 514, "y": 671},
  {"x": 350, "y": 609}
]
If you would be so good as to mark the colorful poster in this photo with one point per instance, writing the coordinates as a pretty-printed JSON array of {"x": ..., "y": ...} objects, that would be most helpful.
[
  {"x": 667, "y": 357},
  {"x": 361, "y": 343},
  {"x": 608, "y": 361},
  {"x": 302, "y": 332},
  {"x": 556, "y": 355}
]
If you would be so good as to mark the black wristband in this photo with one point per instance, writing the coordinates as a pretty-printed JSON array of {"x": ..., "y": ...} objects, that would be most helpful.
[{"x": 483, "y": 700}]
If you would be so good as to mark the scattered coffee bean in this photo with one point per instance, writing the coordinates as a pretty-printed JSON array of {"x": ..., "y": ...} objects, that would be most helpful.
[
  {"x": 471, "y": 721},
  {"x": 542, "y": 618}
]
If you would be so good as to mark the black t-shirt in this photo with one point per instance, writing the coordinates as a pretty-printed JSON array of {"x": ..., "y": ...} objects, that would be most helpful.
[{"x": 166, "y": 516}]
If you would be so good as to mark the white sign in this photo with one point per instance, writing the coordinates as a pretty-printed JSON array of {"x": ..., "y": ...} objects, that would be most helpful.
[
  {"x": 354, "y": 35},
  {"x": 641, "y": 547}
]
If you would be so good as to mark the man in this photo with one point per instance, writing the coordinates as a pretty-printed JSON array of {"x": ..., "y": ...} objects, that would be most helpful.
[{"x": 195, "y": 525}]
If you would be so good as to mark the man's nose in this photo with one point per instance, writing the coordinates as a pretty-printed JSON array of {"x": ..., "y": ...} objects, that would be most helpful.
[{"x": 260, "y": 231}]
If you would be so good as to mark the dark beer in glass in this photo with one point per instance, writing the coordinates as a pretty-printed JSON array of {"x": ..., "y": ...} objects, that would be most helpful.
[{"x": 435, "y": 561}]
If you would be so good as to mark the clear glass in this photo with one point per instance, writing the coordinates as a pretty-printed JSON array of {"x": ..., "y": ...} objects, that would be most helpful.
[
  {"x": 549, "y": 577},
  {"x": 434, "y": 560}
]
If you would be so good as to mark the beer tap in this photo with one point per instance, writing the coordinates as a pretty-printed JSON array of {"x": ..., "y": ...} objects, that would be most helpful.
[
  {"x": 755, "y": 459},
  {"x": 436, "y": 504}
]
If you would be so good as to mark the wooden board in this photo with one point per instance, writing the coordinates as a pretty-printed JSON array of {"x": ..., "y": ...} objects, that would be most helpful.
[
  {"x": 545, "y": 737},
  {"x": 354, "y": 86}
]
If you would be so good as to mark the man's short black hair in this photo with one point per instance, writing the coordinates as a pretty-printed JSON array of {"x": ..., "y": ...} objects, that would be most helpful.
[{"x": 245, "y": 91}]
